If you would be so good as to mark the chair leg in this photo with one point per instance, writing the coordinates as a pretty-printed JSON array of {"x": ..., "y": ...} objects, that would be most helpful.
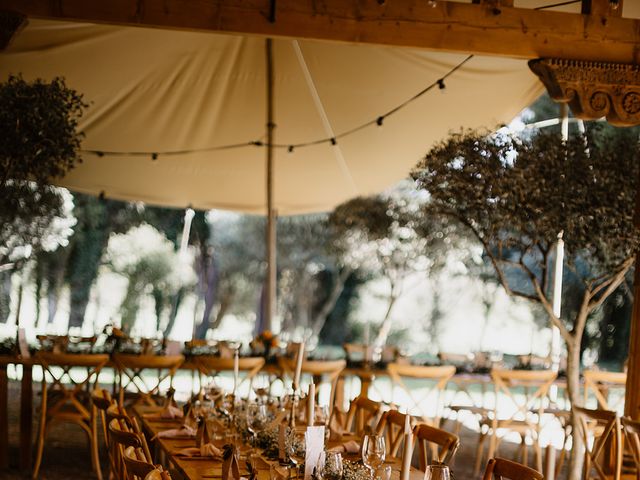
[
  {"x": 479, "y": 452},
  {"x": 41, "y": 430},
  {"x": 95, "y": 458}
]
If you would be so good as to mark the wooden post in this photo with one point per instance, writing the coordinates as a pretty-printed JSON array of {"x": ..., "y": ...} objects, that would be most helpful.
[
  {"x": 271, "y": 212},
  {"x": 632, "y": 392},
  {"x": 4, "y": 417},
  {"x": 26, "y": 416}
]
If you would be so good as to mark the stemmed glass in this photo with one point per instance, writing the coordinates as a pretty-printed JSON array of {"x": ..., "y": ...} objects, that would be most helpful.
[
  {"x": 373, "y": 452},
  {"x": 333, "y": 468},
  {"x": 256, "y": 420},
  {"x": 295, "y": 446},
  {"x": 436, "y": 472}
]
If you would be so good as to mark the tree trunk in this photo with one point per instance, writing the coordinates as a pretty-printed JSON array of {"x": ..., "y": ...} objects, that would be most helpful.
[
  {"x": 175, "y": 305},
  {"x": 573, "y": 390},
  {"x": 330, "y": 303},
  {"x": 385, "y": 328},
  {"x": 210, "y": 277},
  {"x": 5, "y": 294}
]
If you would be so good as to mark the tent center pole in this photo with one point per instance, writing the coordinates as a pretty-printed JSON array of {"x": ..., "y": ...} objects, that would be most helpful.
[{"x": 271, "y": 211}]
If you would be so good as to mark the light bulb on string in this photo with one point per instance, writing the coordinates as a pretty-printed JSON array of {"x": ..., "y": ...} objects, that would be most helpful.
[
  {"x": 379, "y": 121},
  {"x": 432, "y": 3},
  {"x": 290, "y": 149},
  {"x": 441, "y": 85}
]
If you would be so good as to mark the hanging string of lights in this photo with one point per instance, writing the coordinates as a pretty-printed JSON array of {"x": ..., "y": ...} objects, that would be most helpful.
[
  {"x": 378, "y": 121},
  {"x": 291, "y": 147}
]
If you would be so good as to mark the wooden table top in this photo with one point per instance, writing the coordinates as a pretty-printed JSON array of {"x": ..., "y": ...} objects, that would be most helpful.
[{"x": 199, "y": 468}]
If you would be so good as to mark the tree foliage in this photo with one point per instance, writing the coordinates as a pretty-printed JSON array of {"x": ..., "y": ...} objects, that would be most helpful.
[
  {"x": 517, "y": 194},
  {"x": 392, "y": 236},
  {"x": 40, "y": 143}
]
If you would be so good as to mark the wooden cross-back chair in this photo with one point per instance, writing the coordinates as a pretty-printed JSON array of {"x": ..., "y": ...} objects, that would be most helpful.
[
  {"x": 329, "y": 370},
  {"x": 131, "y": 368},
  {"x": 124, "y": 432},
  {"x": 434, "y": 444},
  {"x": 136, "y": 464},
  {"x": 67, "y": 405},
  {"x": 500, "y": 468},
  {"x": 439, "y": 376},
  {"x": 211, "y": 366},
  {"x": 599, "y": 383},
  {"x": 631, "y": 434},
  {"x": 527, "y": 391},
  {"x": 102, "y": 401},
  {"x": 363, "y": 414},
  {"x": 391, "y": 427},
  {"x": 602, "y": 435}
]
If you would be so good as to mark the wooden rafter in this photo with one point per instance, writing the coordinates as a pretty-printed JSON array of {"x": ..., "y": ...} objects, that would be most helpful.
[{"x": 492, "y": 27}]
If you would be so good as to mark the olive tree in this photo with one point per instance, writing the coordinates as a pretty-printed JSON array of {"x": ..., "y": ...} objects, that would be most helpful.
[
  {"x": 391, "y": 236},
  {"x": 517, "y": 194},
  {"x": 40, "y": 143}
]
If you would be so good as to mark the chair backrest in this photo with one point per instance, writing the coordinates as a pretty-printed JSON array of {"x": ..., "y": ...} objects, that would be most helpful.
[
  {"x": 136, "y": 464},
  {"x": 434, "y": 444},
  {"x": 391, "y": 426},
  {"x": 120, "y": 434},
  {"x": 53, "y": 379},
  {"x": 501, "y": 468},
  {"x": 526, "y": 390},
  {"x": 164, "y": 362},
  {"x": 363, "y": 412},
  {"x": 599, "y": 383},
  {"x": 602, "y": 436},
  {"x": 211, "y": 365},
  {"x": 439, "y": 376},
  {"x": 330, "y": 369},
  {"x": 131, "y": 366},
  {"x": 158, "y": 474},
  {"x": 631, "y": 429}
]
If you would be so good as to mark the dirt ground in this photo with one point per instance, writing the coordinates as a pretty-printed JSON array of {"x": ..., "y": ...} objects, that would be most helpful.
[{"x": 66, "y": 453}]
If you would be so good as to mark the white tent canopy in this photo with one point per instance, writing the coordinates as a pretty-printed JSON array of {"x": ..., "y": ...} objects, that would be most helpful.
[{"x": 152, "y": 90}]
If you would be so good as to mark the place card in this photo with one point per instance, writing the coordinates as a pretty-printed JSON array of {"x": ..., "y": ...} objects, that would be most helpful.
[{"x": 314, "y": 450}]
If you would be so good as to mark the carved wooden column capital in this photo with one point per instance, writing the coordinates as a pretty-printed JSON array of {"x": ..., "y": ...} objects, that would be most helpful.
[{"x": 593, "y": 89}]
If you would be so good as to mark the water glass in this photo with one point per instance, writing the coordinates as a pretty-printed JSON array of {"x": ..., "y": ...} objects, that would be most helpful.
[
  {"x": 373, "y": 452},
  {"x": 436, "y": 472},
  {"x": 333, "y": 468}
]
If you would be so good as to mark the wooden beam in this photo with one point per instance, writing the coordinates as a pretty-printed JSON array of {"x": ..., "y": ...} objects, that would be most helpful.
[
  {"x": 492, "y": 28},
  {"x": 10, "y": 24},
  {"x": 632, "y": 390}
]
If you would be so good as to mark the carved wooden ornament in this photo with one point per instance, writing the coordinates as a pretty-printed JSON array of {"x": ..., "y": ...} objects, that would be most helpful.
[{"x": 593, "y": 89}]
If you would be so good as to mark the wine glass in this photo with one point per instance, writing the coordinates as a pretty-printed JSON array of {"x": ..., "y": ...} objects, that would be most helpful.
[
  {"x": 295, "y": 447},
  {"x": 373, "y": 452},
  {"x": 436, "y": 472},
  {"x": 256, "y": 420},
  {"x": 333, "y": 468},
  {"x": 261, "y": 388}
]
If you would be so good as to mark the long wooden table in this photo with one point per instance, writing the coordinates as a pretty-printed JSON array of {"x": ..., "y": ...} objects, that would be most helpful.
[
  {"x": 366, "y": 376},
  {"x": 203, "y": 469}
]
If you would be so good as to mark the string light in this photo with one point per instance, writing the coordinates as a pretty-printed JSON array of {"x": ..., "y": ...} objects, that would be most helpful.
[{"x": 379, "y": 120}]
